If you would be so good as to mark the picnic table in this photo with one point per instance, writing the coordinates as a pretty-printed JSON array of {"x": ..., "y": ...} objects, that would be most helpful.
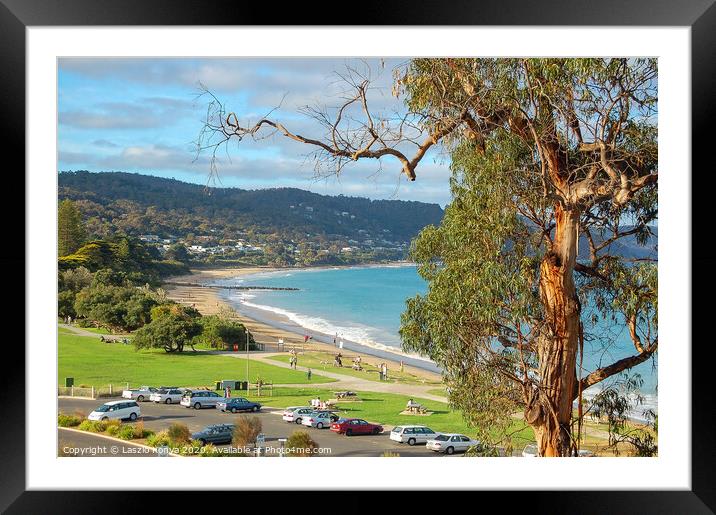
[{"x": 414, "y": 407}]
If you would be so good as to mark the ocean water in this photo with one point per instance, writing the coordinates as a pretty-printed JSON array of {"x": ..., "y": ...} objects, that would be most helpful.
[{"x": 362, "y": 305}]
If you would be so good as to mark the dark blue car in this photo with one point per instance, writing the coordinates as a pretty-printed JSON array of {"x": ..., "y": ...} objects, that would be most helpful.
[
  {"x": 238, "y": 404},
  {"x": 215, "y": 434}
]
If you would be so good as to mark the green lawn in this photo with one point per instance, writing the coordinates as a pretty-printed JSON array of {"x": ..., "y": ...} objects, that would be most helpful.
[
  {"x": 324, "y": 361},
  {"x": 385, "y": 408},
  {"x": 96, "y": 363}
]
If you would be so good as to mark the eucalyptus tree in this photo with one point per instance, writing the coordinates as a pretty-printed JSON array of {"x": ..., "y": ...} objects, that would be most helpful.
[{"x": 545, "y": 154}]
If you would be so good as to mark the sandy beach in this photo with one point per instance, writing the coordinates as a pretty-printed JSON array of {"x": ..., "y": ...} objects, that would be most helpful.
[{"x": 208, "y": 302}]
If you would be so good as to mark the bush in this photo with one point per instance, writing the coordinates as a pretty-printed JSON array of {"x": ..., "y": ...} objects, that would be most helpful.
[
  {"x": 126, "y": 432},
  {"x": 179, "y": 434},
  {"x": 160, "y": 439},
  {"x": 140, "y": 432},
  {"x": 112, "y": 426},
  {"x": 93, "y": 426},
  {"x": 68, "y": 420},
  {"x": 300, "y": 444},
  {"x": 246, "y": 430}
]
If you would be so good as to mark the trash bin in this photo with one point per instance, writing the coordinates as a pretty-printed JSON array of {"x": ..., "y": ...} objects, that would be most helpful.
[
  {"x": 218, "y": 385},
  {"x": 69, "y": 381}
]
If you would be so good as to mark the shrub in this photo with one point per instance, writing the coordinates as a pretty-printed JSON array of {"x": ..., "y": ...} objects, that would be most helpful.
[
  {"x": 112, "y": 426},
  {"x": 93, "y": 426},
  {"x": 389, "y": 454},
  {"x": 126, "y": 432},
  {"x": 68, "y": 420},
  {"x": 179, "y": 434},
  {"x": 140, "y": 432},
  {"x": 246, "y": 430},
  {"x": 300, "y": 444},
  {"x": 159, "y": 439}
]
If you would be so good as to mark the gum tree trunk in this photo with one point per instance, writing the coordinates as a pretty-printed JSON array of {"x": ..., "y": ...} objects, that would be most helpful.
[{"x": 549, "y": 411}]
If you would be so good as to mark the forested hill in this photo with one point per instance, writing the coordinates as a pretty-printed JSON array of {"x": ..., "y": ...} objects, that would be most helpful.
[{"x": 139, "y": 204}]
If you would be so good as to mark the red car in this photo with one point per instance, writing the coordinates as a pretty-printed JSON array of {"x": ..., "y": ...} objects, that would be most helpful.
[{"x": 355, "y": 426}]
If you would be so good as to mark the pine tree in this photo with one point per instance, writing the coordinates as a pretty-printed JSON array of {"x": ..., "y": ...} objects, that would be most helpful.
[{"x": 70, "y": 230}]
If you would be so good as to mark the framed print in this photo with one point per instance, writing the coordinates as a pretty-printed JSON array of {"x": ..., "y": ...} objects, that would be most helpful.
[{"x": 430, "y": 235}]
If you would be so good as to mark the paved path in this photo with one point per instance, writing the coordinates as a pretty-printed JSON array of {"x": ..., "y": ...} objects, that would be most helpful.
[{"x": 84, "y": 332}]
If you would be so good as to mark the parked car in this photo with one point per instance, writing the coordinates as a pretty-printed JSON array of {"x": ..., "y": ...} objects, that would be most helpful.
[
  {"x": 140, "y": 394},
  {"x": 296, "y": 414},
  {"x": 412, "y": 434},
  {"x": 198, "y": 399},
  {"x": 355, "y": 426},
  {"x": 116, "y": 410},
  {"x": 215, "y": 434},
  {"x": 319, "y": 419},
  {"x": 167, "y": 396},
  {"x": 238, "y": 404},
  {"x": 530, "y": 451},
  {"x": 450, "y": 443}
]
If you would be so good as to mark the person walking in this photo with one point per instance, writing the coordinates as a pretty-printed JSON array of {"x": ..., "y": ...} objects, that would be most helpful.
[{"x": 309, "y": 374}]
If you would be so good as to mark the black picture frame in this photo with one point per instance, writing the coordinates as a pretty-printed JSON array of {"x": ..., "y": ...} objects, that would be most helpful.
[{"x": 699, "y": 15}]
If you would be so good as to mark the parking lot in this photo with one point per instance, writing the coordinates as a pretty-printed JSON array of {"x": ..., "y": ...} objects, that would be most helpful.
[{"x": 158, "y": 417}]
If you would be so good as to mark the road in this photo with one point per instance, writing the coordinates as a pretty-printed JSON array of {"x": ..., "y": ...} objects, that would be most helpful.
[
  {"x": 157, "y": 417},
  {"x": 82, "y": 444}
]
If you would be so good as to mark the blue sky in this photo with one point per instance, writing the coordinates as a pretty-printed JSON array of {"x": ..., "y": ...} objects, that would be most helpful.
[{"x": 143, "y": 115}]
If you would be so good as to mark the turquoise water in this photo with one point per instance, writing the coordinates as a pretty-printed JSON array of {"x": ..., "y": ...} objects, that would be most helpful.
[{"x": 362, "y": 305}]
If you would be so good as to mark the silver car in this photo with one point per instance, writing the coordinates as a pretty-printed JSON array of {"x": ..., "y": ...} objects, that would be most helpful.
[
  {"x": 319, "y": 419},
  {"x": 167, "y": 396},
  {"x": 296, "y": 415},
  {"x": 140, "y": 394},
  {"x": 412, "y": 434},
  {"x": 198, "y": 399},
  {"x": 450, "y": 443}
]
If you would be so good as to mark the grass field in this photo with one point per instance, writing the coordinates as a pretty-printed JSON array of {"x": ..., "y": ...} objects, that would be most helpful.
[
  {"x": 324, "y": 361},
  {"x": 385, "y": 408},
  {"x": 95, "y": 363}
]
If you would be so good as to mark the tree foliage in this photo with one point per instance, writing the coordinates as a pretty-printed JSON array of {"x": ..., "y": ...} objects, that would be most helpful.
[
  {"x": 172, "y": 327},
  {"x": 115, "y": 307},
  {"x": 70, "y": 231},
  {"x": 218, "y": 332}
]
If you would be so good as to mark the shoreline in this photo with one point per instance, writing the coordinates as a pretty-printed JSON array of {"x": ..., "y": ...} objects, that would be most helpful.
[{"x": 209, "y": 301}]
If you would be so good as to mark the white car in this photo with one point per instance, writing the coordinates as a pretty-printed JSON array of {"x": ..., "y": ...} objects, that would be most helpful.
[
  {"x": 296, "y": 413},
  {"x": 198, "y": 399},
  {"x": 171, "y": 396},
  {"x": 412, "y": 434},
  {"x": 450, "y": 443},
  {"x": 140, "y": 394},
  {"x": 530, "y": 451},
  {"x": 116, "y": 410},
  {"x": 319, "y": 419}
]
